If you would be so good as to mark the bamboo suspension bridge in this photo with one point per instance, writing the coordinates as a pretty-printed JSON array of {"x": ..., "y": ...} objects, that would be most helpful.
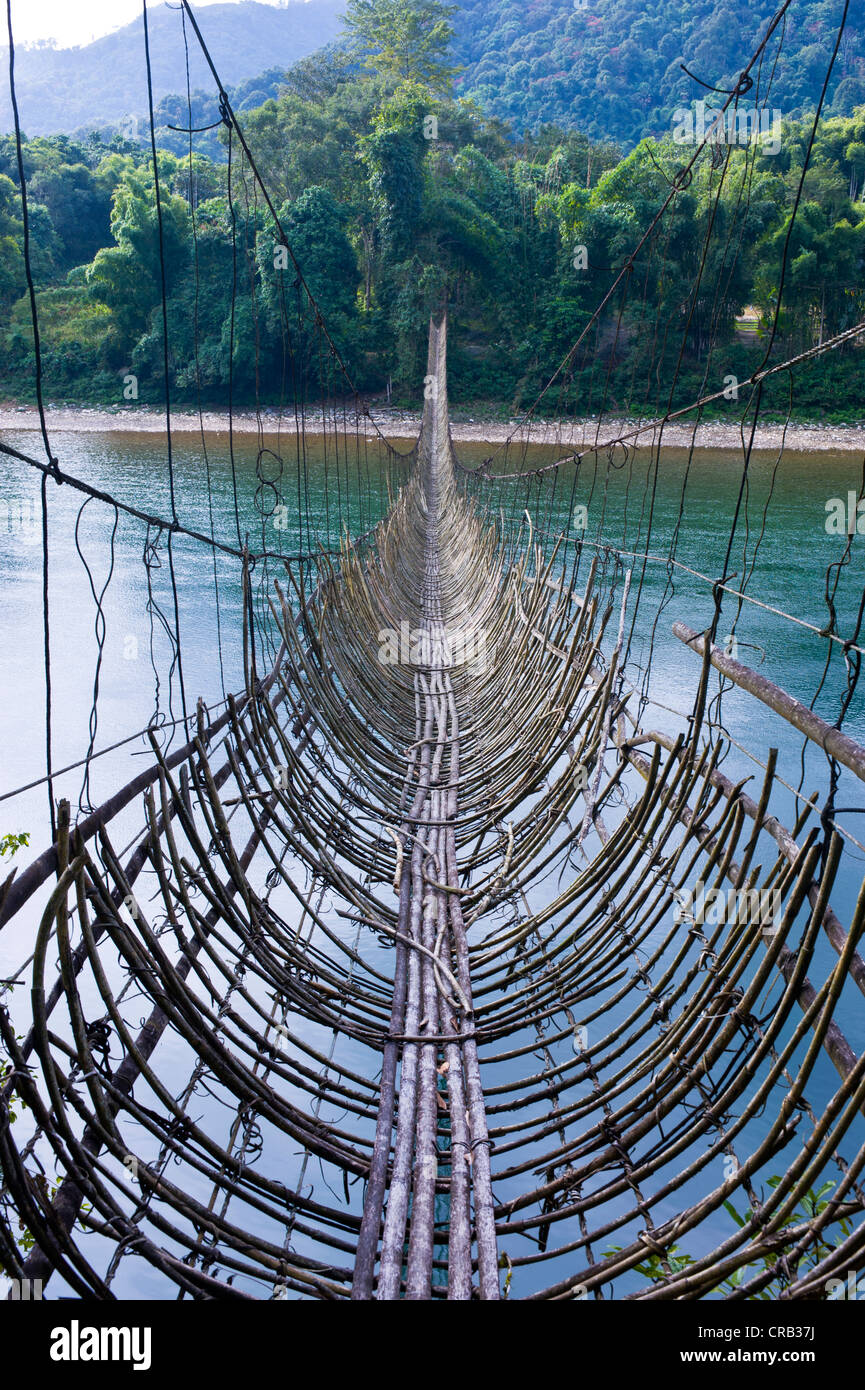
[{"x": 399, "y": 977}]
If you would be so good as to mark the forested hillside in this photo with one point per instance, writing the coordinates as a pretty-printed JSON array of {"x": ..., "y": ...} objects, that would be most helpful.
[
  {"x": 61, "y": 90},
  {"x": 612, "y": 67}
]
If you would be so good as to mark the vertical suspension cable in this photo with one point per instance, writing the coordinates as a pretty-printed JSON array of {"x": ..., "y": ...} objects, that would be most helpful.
[{"x": 165, "y": 358}]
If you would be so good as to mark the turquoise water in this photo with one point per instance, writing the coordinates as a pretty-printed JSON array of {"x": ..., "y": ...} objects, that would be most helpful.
[
  {"x": 785, "y": 550},
  {"x": 136, "y": 654}
]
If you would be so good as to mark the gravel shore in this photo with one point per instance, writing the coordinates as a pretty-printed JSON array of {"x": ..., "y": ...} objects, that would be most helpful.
[{"x": 807, "y": 438}]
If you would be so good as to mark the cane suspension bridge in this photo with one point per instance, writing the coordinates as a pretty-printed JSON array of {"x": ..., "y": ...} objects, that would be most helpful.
[{"x": 398, "y": 988}]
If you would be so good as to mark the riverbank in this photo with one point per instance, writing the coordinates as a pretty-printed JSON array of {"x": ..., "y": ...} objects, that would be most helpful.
[{"x": 396, "y": 424}]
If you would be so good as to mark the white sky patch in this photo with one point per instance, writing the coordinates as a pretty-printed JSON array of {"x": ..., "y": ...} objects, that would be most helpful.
[{"x": 72, "y": 22}]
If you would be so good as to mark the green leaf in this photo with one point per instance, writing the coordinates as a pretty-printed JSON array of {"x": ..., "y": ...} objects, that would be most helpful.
[{"x": 739, "y": 1220}]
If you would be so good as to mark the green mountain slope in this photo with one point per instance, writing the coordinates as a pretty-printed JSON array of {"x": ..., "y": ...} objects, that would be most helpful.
[
  {"x": 62, "y": 90},
  {"x": 611, "y": 67}
]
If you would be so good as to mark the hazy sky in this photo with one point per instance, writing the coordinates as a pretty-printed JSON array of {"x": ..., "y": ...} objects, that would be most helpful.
[{"x": 77, "y": 21}]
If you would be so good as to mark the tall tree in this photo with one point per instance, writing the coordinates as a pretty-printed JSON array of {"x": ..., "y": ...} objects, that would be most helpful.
[
  {"x": 406, "y": 39},
  {"x": 11, "y": 230}
]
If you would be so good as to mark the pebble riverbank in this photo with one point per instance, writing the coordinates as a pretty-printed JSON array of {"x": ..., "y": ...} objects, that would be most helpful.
[{"x": 395, "y": 424}]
